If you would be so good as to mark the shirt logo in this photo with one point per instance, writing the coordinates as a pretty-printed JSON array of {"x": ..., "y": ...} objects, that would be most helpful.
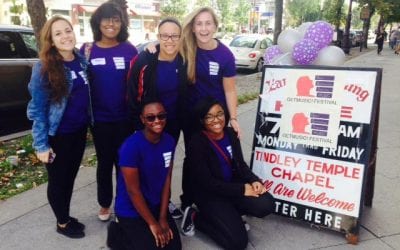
[
  {"x": 119, "y": 62},
  {"x": 98, "y": 61},
  {"x": 214, "y": 68},
  {"x": 73, "y": 75},
  {"x": 167, "y": 159},
  {"x": 229, "y": 148},
  {"x": 84, "y": 77}
]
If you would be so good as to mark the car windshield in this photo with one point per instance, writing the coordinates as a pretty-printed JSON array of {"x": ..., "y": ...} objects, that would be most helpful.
[{"x": 243, "y": 42}]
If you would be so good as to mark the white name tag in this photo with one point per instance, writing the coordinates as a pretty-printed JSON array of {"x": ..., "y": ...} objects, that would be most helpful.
[
  {"x": 119, "y": 62},
  {"x": 98, "y": 61}
]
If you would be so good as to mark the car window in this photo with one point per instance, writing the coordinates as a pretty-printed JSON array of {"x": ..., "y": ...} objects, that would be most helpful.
[
  {"x": 263, "y": 44},
  {"x": 243, "y": 42},
  {"x": 8, "y": 46},
  {"x": 31, "y": 44}
]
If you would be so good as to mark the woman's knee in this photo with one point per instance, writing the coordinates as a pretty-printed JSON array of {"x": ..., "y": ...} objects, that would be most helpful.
[{"x": 265, "y": 206}]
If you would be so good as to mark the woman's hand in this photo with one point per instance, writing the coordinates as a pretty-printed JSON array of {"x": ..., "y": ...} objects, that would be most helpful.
[
  {"x": 159, "y": 235},
  {"x": 258, "y": 187},
  {"x": 235, "y": 125},
  {"x": 151, "y": 47},
  {"x": 165, "y": 226},
  {"x": 44, "y": 156},
  {"x": 249, "y": 191}
]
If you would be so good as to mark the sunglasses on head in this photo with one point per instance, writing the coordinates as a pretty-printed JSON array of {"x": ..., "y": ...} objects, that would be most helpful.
[{"x": 152, "y": 118}]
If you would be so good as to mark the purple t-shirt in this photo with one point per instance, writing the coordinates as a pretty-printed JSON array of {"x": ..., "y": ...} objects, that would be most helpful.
[
  {"x": 108, "y": 72},
  {"x": 76, "y": 113},
  {"x": 225, "y": 145},
  {"x": 167, "y": 86},
  {"x": 153, "y": 162},
  {"x": 211, "y": 67}
]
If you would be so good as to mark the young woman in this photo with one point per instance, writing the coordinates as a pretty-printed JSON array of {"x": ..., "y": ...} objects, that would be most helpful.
[
  {"x": 109, "y": 56},
  {"x": 59, "y": 109},
  {"x": 143, "y": 187},
  {"x": 161, "y": 75},
  {"x": 222, "y": 185}
]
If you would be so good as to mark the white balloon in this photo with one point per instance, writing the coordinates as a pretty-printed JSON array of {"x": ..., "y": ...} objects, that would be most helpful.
[
  {"x": 287, "y": 39},
  {"x": 284, "y": 59},
  {"x": 303, "y": 28},
  {"x": 330, "y": 56}
]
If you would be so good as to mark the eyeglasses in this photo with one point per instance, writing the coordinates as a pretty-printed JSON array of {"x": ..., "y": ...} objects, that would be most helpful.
[
  {"x": 152, "y": 118},
  {"x": 115, "y": 20},
  {"x": 173, "y": 37},
  {"x": 210, "y": 118}
]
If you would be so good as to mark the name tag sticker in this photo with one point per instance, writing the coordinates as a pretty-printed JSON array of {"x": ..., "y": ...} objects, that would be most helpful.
[{"x": 98, "y": 61}]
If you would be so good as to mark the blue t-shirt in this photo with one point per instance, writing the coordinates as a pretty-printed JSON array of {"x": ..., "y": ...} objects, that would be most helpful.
[
  {"x": 76, "y": 113},
  {"x": 211, "y": 67},
  {"x": 108, "y": 72},
  {"x": 225, "y": 145},
  {"x": 167, "y": 86},
  {"x": 153, "y": 162}
]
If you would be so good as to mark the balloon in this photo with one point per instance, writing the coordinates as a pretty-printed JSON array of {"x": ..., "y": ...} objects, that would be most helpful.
[
  {"x": 305, "y": 52},
  {"x": 271, "y": 53},
  {"x": 302, "y": 29},
  {"x": 287, "y": 39},
  {"x": 321, "y": 33},
  {"x": 284, "y": 59},
  {"x": 330, "y": 56}
]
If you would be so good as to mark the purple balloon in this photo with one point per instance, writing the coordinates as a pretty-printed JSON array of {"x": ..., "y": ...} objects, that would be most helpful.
[
  {"x": 271, "y": 53},
  {"x": 321, "y": 33},
  {"x": 305, "y": 51}
]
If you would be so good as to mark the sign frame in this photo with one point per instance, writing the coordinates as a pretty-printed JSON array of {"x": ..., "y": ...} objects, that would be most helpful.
[{"x": 368, "y": 138}]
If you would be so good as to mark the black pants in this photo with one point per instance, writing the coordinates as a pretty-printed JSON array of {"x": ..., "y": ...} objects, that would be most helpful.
[
  {"x": 221, "y": 218},
  {"x": 135, "y": 234},
  {"x": 107, "y": 137},
  {"x": 379, "y": 42},
  {"x": 69, "y": 149}
]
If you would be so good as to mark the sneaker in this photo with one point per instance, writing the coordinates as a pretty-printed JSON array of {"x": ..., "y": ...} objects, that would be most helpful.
[
  {"x": 187, "y": 225},
  {"x": 75, "y": 223},
  {"x": 246, "y": 225},
  {"x": 70, "y": 231},
  {"x": 175, "y": 212},
  {"x": 104, "y": 214}
]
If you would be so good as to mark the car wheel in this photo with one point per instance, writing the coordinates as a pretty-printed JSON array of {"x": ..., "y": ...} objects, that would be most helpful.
[{"x": 260, "y": 65}]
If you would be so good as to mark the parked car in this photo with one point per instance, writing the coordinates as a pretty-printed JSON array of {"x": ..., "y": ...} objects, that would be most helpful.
[
  {"x": 18, "y": 53},
  {"x": 355, "y": 38},
  {"x": 249, "y": 49},
  {"x": 141, "y": 46}
]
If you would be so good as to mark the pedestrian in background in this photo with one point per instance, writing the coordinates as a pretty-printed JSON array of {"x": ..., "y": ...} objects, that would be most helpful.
[
  {"x": 143, "y": 187},
  {"x": 223, "y": 186},
  {"x": 109, "y": 56},
  {"x": 380, "y": 38},
  {"x": 59, "y": 109}
]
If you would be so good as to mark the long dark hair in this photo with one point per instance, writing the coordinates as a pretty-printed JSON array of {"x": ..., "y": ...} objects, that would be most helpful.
[{"x": 107, "y": 10}]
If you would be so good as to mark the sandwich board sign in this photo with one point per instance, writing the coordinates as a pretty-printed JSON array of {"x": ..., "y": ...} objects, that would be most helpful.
[{"x": 313, "y": 141}]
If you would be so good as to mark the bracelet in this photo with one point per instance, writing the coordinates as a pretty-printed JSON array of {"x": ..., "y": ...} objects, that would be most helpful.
[{"x": 233, "y": 118}]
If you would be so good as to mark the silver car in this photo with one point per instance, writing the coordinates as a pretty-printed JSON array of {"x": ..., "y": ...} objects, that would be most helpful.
[{"x": 249, "y": 49}]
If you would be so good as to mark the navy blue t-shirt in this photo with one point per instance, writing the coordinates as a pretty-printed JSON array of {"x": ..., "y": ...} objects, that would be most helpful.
[
  {"x": 108, "y": 72},
  {"x": 167, "y": 86},
  {"x": 153, "y": 162},
  {"x": 225, "y": 145},
  {"x": 76, "y": 115},
  {"x": 211, "y": 67}
]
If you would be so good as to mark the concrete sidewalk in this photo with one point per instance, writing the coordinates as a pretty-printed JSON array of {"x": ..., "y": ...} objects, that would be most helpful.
[{"x": 27, "y": 222}]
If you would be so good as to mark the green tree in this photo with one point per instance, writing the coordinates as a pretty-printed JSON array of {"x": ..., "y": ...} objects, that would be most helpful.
[
  {"x": 333, "y": 12},
  {"x": 303, "y": 11},
  {"x": 224, "y": 7},
  {"x": 203, "y": 3},
  {"x": 174, "y": 8},
  {"x": 16, "y": 10},
  {"x": 242, "y": 13}
]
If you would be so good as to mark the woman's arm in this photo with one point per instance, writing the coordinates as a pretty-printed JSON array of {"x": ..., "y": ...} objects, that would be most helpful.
[
  {"x": 164, "y": 205},
  {"x": 37, "y": 111},
  {"x": 229, "y": 84},
  {"x": 132, "y": 180}
]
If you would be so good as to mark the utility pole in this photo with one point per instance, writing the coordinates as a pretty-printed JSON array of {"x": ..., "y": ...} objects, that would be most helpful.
[{"x": 346, "y": 35}]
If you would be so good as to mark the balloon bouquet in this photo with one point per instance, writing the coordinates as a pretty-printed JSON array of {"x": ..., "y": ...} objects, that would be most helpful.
[{"x": 308, "y": 44}]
